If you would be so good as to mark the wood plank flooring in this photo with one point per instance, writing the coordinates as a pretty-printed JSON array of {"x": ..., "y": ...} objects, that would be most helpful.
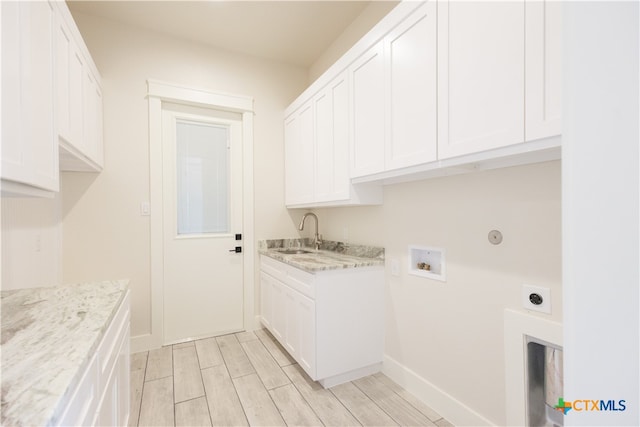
[{"x": 248, "y": 379}]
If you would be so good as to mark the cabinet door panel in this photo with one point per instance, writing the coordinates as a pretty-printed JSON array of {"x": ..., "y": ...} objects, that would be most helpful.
[
  {"x": 292, "y": 334},
  {"x": 14, "y": 154},
  {"x": 412, "y": 90},
  {"x": 323, "y": 111},
  {"x": 40, "y": 122},
  {"x": 367, "y": 113},
  {"x": 299, "y": 156},
  {"x": 341, "y": 178},
  {"x": 266, "y": 300},
  {"x": 124, "y": 379},
  {"x": 76, "y": 97},
  {"x": 306, "y": 315},
  {"x": 29, "y": 138},
  {"x": 64, "y": 52},
  {"x": 332, "y": 141},
  {"x": 544, "y": 69},
  {"x": 90, "y": 115},
  {"x": 279, "y": 323},
  {"x": 480, "y": 76}
]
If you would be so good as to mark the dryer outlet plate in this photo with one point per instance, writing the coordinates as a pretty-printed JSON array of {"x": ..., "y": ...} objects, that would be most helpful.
[{"x": 536, "y": 298}]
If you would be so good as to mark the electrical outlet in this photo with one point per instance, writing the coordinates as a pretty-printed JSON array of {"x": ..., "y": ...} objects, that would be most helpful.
[
  {"x": 536, "y": 298},
  {"x": 395, "y": 268}
]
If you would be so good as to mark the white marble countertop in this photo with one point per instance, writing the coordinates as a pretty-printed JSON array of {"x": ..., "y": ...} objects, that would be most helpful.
[
  {"x": 331, "y": 256},
  {"x": 48, "y": 337}
]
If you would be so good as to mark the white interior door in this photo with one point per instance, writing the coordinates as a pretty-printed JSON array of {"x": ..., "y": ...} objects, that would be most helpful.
[{"x": 202, "y": 216}]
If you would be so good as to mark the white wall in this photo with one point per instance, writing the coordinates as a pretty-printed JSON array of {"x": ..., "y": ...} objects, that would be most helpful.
[
  {"x": 451, "y": 334},
  {"x": 105, "y": 237},
  {"x": 367, "y": 19},
  {"x": 31, "y": 242},
  {"x": 601, "y": 216}
]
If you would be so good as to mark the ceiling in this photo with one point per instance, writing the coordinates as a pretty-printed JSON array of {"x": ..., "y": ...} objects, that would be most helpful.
[{"x": 293, "y": 32}]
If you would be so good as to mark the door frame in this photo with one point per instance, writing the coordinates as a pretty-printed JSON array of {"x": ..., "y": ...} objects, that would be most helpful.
[{"x": 161, "y": 92}]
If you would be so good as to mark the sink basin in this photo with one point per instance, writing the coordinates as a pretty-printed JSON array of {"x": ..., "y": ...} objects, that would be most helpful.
[{"x": 293, "y": 251}]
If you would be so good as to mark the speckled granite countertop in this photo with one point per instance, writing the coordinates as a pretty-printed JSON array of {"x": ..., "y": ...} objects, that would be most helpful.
[
  {"x": 331, "y": 256},
  {"x": 48, "y": 337}
]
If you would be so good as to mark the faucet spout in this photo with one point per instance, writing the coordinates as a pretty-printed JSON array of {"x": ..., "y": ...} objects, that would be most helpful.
[{"x": 317, "y": 238}]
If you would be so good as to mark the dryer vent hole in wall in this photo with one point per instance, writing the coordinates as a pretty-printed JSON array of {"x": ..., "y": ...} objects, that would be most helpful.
[{"x": 544, "y": 372}]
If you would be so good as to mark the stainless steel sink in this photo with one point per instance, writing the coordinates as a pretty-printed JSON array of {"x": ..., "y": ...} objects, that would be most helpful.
[{"x": 293, "y": 251}]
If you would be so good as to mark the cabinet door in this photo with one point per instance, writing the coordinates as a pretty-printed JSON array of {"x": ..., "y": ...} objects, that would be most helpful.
[
  {"x": 332, "y": 141},
  {"x": 70, "y": 82},
  {"x": 480, "y": 76},
  {"x": 279, "y": 322},
  {"x": 306, "y": 315},
  {"x": 367, "y": 113},
  {"x": 124, "y": 379},
  {"x": 114, "y": 408},
  {"x": 29, "y": 138},
  {"x": 543, "y": 60},
  {"x": 299, "y": 156},
  {"x": 40, "y": 124},
  {"x": 410, "y": 51},
  {"x": 292, "y": 335},
  {"x": 266, "y": 300},
  {"x": 108, "y": 408},
  {"x": 92, "y": 98},
  {"x": 15, "y": 152},
  {"x": 64, "y": 52},
  {"x": 76, "y": 98}
]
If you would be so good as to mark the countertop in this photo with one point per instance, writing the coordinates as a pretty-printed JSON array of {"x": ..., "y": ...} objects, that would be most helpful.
[
  {"x": 48, "y": 338},
  {"x": 331, "y": 255}
]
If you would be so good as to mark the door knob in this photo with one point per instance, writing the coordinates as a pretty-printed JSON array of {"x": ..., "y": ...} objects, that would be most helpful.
[{"x": 237, "y": 249}]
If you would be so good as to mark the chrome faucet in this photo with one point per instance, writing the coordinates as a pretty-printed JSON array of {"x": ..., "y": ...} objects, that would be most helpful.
[{"x": 318, "y": 238}]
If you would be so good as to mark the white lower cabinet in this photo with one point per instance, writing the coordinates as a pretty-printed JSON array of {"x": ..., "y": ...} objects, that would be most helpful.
[
  {"x": 330, "y": 322},
  {"x": 102, "y": 397}
]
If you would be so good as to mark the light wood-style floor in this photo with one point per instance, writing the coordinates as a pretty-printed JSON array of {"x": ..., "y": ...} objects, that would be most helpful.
[{"x": 248, "y": 379}]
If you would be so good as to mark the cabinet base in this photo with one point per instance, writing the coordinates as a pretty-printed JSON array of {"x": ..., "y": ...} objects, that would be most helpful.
[{"x": 351, "y": 375}]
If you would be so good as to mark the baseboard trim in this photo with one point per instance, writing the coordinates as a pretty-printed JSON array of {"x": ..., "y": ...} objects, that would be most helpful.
[
  {"x": 350, "y": 376},
  {"x": 142, "y": 343},
  {"x": 148, "y": 342},
  {"x": 446, "y": 405}
]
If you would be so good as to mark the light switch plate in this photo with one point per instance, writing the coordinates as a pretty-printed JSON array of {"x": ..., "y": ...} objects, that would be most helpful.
[
  {"x": 536, "y": 293},
  {"x": 145, "y": 209}
]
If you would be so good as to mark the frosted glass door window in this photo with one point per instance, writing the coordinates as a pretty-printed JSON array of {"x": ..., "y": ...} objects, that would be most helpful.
[{"x": 202, "y": 173}]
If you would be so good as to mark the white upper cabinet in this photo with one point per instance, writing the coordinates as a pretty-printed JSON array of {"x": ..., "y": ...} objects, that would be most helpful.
[
  {"x": 317, "y": 152},
  {"x": 80, "y": 122},
  {"x": 480, "y": 76},
  {"x": 29, "y": 144},
  {"x": 368, "y": 112},
  {"x": 299, "y": 156},
  {"x": 442, "y": 87},
  {"x": 69, "y": 67},
  {"x": 543, "y": 61},
  {"x": 93, "y": 119},
  {"x": 411, "y": 83},
  {"x": 331, "y": 110},
  {"x": 51, "y": 99}
]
